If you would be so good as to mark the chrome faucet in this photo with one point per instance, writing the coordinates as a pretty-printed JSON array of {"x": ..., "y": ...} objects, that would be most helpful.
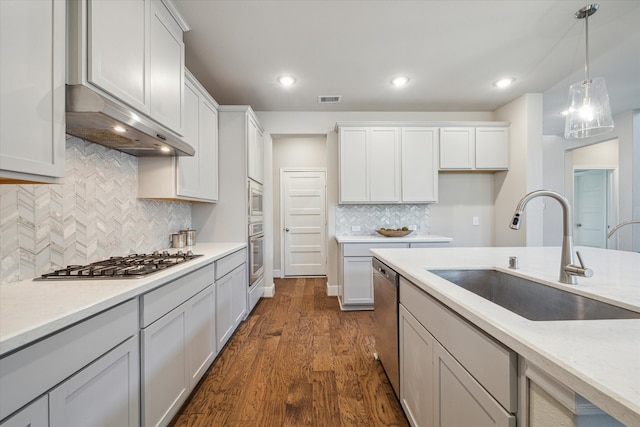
[
  {"x": 622, "y": 224},
  {"x": 568, "y": 270}
]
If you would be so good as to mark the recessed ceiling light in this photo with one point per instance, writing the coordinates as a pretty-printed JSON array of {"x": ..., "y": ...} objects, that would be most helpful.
[
  {"x": 400, "y": 81},
  {"x": 504, "y": 82},
  {"x": 286, "y": 80}
]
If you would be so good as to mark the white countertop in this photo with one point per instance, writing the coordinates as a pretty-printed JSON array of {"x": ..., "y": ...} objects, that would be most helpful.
[
  {"x": 599, "y": 359},
  {"x": 411, "y": 238},
  {"x": 30, "y": 310}
]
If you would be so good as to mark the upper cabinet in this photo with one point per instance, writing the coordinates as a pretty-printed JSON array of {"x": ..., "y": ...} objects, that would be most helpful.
[
  {"x": 474, "y": 148},
  {"x": 255, "y": 151},
  {"x": 380, "y": 164},
  {"x": 32, "y": 91},
  {"x": 187, "y": 178},
  {"x": 131, "y": 50}
]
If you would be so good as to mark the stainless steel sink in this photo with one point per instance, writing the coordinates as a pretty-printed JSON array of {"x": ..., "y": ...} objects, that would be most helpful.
[{"x": 532, "y": 300}]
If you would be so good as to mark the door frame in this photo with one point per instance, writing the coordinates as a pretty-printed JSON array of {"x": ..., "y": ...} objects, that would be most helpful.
[
  {"x": 282, "y": 215},
  {"x": 612, "y": 199}
]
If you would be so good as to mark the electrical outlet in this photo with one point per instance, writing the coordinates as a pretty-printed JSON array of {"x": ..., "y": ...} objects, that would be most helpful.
[
  {"x": 476, "y": 220},
  {"x": 355, "y": 228}
]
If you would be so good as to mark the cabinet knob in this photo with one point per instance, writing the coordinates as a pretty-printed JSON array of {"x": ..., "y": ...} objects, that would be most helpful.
[{"x": 286, "y": 229}]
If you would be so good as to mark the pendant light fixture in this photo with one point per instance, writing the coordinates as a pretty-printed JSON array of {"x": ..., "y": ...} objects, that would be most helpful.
[{"x": 588, "y": 113}]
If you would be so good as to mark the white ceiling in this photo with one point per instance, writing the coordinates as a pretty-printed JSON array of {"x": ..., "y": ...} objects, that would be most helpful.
[{"x": 451, "y": 50}]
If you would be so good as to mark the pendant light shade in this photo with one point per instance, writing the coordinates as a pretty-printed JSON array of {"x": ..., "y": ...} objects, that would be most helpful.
[{"x": 588, "y": 111}]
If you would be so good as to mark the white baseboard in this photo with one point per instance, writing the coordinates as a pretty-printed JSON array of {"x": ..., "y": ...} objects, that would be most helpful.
[
  {"x": 277, "y": 274},
  {"x": 269, "y": 291},
  {"x": 332, "y": 290}
]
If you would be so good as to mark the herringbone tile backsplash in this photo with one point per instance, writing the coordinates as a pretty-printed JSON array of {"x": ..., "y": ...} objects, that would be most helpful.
[
  {"x": 92, "y": 215},
  {"x": 371, "y": 217}
]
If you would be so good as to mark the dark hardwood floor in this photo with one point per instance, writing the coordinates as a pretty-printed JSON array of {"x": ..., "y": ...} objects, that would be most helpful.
[{"x": 296, "y": 361}]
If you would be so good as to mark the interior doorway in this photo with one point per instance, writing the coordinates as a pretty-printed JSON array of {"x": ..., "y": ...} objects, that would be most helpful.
[{"x": 593, "y": 205}]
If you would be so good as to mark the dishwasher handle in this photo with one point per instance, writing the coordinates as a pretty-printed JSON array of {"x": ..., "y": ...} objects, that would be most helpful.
[{"x": 384, "y": 270}]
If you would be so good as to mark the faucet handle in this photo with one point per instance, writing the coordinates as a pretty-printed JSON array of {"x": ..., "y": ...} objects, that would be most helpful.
[{"x": 580, "y": 270}]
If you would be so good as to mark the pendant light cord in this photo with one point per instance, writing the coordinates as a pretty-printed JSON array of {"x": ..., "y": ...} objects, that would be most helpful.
[{"x": 586, "y": 56}]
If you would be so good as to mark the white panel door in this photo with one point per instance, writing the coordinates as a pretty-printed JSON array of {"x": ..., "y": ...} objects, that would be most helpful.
[
  {"x": 416, "y": 370},
  {"x": 118, "y": 53},
  {"x": 201, "y": 333},
  {"x": 590, "y": 189},
  {"x": 105, "y": 393},
  {"x": 32, "y": 90},
  {"x": 354, "y": 184},
  {"x": 457, "y": 148},
  {"x": 304, "y": 219},
  {"x": 165, "y": 379},
  {"x": 383, "y": 149},
  {"x": 419, "y": 164}
]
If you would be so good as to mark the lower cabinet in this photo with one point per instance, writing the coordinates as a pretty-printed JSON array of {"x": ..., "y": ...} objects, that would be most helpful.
[
  {"x": 436, "y": 389},
  {"x": 105, "y": 393},
  {"x": 34, "y": 415},
  {"x": 177, "y": 349},
  {"x": 231, "y": 303},
  {"x": 85, "y": 375}
]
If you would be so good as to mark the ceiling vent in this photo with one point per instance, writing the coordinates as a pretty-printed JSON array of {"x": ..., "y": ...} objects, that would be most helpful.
[{"x": 329, "y": 99}]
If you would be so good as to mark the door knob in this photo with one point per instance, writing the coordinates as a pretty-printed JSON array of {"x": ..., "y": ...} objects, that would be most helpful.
[
  {"x": 286, "y": 229},
  {"x": 578, "y": 225}
]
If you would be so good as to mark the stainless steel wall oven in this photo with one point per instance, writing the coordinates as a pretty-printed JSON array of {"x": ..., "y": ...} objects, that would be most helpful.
[{"x": 256, "y": 252}]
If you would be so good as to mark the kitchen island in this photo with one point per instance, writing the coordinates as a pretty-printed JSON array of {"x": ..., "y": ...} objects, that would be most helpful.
[{"x": 597, "y": 359}]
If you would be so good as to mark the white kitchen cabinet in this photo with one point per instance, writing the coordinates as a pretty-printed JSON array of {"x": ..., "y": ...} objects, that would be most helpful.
[
  {"x": 416, "y": 370},
  {"x": 469, "y": 148},
  {"x": 369, "y": 165},
  {"x": 460, "y": 400},
  {"x": 105, "y": 393},
  {"x": 164, "y": 368},
  {"x": 419, "y": 148},
  {"x": 451, "y": 374},
  {"x": 139, "y": 61},
  {"x": 187, "y": 178},
  {"x": 36, "y": 414},
  {"x": 32, "y": 91},
  {"x": 201, "y": 334},
  {"x": 231, "y": 295},
  {"x": 255, "y": 151}
]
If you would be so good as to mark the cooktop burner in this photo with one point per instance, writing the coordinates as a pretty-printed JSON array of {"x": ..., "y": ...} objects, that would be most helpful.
[{"x": 122, "y": 267}]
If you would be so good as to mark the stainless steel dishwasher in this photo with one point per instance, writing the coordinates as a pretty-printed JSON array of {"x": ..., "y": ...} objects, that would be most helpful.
[{"x": 385, "y": 300}]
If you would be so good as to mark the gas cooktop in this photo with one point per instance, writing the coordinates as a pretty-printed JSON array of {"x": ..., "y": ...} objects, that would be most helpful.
[{"x": 121, "y": 267}]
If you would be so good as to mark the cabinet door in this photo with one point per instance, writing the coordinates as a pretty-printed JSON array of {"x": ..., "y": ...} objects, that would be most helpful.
[
  {"x": 419, "y": 148},
  {"x": 383, "y": 169},
  {"x": 255, "y": 151},
  {"x": 105, "y": 393},
  {"x": 224, "y": 310},
  {"x": 416, "y": 370},
  {"x": 201, "y": 334},
  {"x": 117, "y": 31},
  {"x": 166, "y": 67},
  {"x": 208, "y": 156},
  {"x": 358, "y": 283},
  {"x": 188, "y": 168},
  {"x": 32, "y": 90},
  {"x": 239, "y": 291},
  {"x": 492, "y": 148},
  {"x": 35, "y": 414},
  {"x": 354, "y": 186},
  {"x": 164, "y": 377},
  {"x": 460, "y": 400},
  {"x": 457, "y": 148}
]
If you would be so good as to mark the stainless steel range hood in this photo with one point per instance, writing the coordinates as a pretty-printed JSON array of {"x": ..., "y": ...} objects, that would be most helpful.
[{"x": 96, "y": 118}]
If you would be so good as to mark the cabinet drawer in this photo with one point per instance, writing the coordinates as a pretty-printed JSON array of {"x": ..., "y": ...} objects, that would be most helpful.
[
  {"x": 32, "y": 371},
  {"x": 157, "y": 303},
  {"x": 489, "y": 362},
  {"x": 225, "y": 265},
  {"x": 362, "y": 249}
]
